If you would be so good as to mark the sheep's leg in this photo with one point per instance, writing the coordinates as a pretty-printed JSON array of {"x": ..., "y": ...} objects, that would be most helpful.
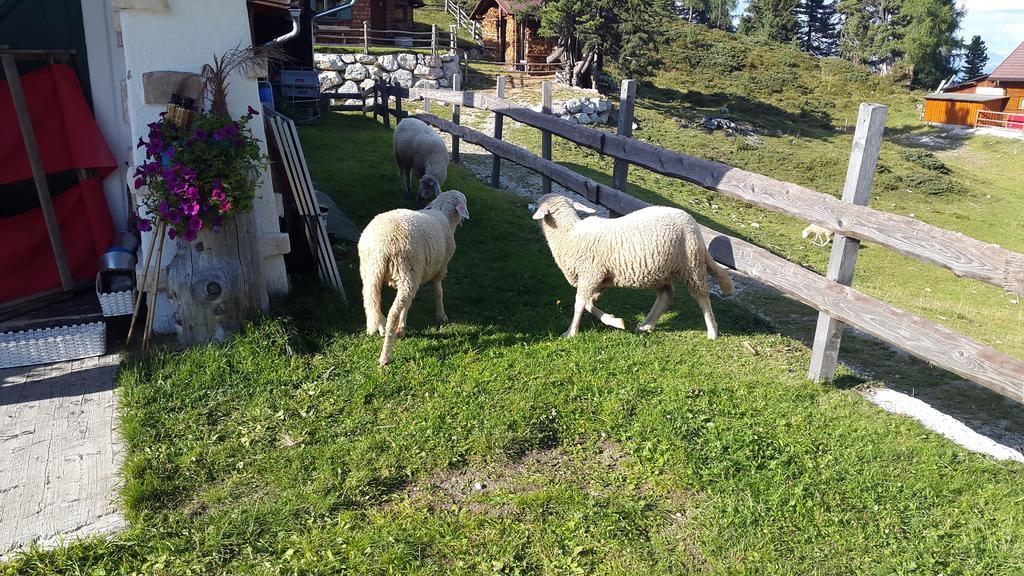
[
  {"x": 371, "y": 305},
  {"x": 584, "y": 297},
  {"x": 603, "y": 316},
  {"x": 442, "y": 318},
  {"x": 661, "y": 303},
  {"x": 395, "y": 317},
  {"x": 709, "y": 315}
]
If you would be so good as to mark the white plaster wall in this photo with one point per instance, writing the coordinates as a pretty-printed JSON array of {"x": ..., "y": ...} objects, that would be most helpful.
[
  {"x": 184, "y": 37},
  {"x": 106, "y": 75}
]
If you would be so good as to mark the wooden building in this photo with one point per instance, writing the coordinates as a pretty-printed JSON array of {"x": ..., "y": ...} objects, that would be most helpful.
[
  {"x": 380, "y": 14},
  {"x": 510, "y": 34},
  {"x": 993, "y": 100}
]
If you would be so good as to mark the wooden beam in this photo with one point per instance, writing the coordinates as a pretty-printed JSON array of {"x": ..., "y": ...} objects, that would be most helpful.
[
  {"x": 920, "y": 337},
  {"x": 860, "y": 174},
  {"x": 627, "y": 103},
  {"x": 545, "y": 136},
  {"x": 499, "y": 122},
  {"x": 962, "y": 255},
  {"x": 456, "y": 117},
  {"x": 28, "y": 135}
]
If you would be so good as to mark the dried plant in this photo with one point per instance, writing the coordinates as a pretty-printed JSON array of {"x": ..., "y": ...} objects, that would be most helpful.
[{"x": 246, "y": 61}]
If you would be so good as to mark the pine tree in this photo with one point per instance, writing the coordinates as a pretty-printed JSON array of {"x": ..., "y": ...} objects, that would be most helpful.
[
  {"x": 771, "y": 19},
  {"x": 819, "y": 26},
  {"x": 710, "y": 13},
  {"x": 975, "y": 59}
]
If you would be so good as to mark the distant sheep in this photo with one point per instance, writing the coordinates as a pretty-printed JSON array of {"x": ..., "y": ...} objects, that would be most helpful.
[
  {"x": 420, "y": 150},
  {"x": 645, "y": 249},
  {"x": 405, "y": 249},
  {"x": 817, "y": 234}
]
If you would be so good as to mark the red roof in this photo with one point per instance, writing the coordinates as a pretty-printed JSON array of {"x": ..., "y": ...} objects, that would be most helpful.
[
  {"x": 1012, "y": 68},
  {"x": 507, "y": 6}
]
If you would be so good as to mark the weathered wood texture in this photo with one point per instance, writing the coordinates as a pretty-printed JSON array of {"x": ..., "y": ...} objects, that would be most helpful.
[
  {"x": 216, "y": 283},
  {"x": 456, "y": 117},
  {"x": 920, "y": 337},
  {"x": 860, "y": 174},
  {"x": 627, "y": 102},
  {"x": 961, "y": 254},
  {"x": 499, "y": 123},
  {"x": 545, "y": 136}
]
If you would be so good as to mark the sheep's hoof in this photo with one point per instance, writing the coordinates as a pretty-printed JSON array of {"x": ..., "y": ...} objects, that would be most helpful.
[
  {"x": 644, "y": 329},
  {"x": 616, "y": 323},
  {"x": 712, "y": 334},
  {"x": 384, "y": 360},
  {"x": 400, "y": 333},
  {"x": 568, "y": 334},
  {"x": 442, "y": 319}
]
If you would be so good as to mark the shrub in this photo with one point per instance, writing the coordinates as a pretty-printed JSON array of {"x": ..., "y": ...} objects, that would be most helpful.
[{"x": 925, "y": 159}]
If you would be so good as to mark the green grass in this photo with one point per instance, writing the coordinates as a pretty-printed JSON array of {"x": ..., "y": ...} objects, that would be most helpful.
[{"x": 288, "y": 450}]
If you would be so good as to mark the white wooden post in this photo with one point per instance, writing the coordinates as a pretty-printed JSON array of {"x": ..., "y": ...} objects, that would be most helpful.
[
  {"x": 545, "y": 136},
  {"x": 499, "y": 122},
  {"x": 456, "y": 115},
  {"x": 627, "y": 103},
  {"x": 433, "y": 40},
  {"x": 453, "y": 32},
  {"x": 366, "y": 37},
  {"x": 860, "y": 173}
]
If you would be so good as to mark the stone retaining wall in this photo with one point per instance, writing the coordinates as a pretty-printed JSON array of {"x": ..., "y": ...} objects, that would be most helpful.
[{"x": 353, "y": 72}]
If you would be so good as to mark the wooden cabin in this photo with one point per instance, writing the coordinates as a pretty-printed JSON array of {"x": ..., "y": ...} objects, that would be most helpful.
[
  {"x": 993, "y": 100},
  {"x": 508, "y": 34},
  {"x": 380, "y": 14}
]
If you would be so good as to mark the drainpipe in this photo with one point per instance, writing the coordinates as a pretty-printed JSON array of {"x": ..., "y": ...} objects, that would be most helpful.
[
  {"x": 337, "y": 8},
  {"x": 294, "y": 12}
]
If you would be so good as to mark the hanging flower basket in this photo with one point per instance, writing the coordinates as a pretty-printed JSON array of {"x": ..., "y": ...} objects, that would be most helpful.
[{"x": 200, "y": 173}]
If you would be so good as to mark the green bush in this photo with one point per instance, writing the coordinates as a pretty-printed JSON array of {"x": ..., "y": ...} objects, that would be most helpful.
[{"x": 925, "y": 159}]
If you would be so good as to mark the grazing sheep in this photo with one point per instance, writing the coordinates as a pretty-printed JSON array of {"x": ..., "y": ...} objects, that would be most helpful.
[
  {"x": 645, "y": 249},
  {"x": 405, "y": 249},
  {"x": 420, "y": 150}
]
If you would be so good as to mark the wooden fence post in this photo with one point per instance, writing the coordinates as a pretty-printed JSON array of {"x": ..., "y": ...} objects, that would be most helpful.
[
  {"x": 385, "y": 102},
  {"x": 35, "y": 162},
  {"x": 456, "y": 116},
  {"x": 627, "y": 103},
  {"x": 453, "y": 32},
  {"x": 366, "y": 37},
  {"x": 499, "y": 122},
  {"x": 860, "y": 173},
  {"x": 433, "y": 40},
  {"x": 545, "y": 136},
  {"x": 398, "y": 102}
]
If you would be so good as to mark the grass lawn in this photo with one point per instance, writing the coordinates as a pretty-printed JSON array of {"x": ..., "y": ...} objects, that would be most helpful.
[{"x": 491, "y": 446}]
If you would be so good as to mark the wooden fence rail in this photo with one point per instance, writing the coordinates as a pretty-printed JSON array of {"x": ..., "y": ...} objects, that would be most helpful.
[
  {"x": 961, "y": 254},
  {"x": 918, "y": 336}
]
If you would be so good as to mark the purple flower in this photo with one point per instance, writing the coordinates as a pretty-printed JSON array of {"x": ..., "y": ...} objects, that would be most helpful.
[
  {"x": 172, "y": 233},
  {"x": 144, "y": 225},
  {"x": 218, "y": 134},
  {"x": 141, "y": 144},
  {"x": 253, "y": 112},
  {"x": 190, "y": 208},
  {"x": 163, "y": 208},
  {"x": 139, "y": 183},
  {"x": 201, "y": 134}
]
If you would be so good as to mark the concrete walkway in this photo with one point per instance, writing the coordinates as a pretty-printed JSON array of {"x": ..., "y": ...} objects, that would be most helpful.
[{"x": 59, "y": 452}]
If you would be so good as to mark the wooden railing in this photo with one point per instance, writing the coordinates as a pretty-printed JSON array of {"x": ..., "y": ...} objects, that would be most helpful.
[
  {"x": 850, "y": 219},
  {"x": 454, "y": 9},
  {"x": 365, "y": 37},
  {"x": 991, "y": 118}
]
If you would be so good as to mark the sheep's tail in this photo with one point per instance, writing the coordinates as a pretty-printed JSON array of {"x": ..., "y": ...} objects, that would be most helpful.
[
  {"x": 373, "y": 281},
  {"x": 721, "y": 277}
]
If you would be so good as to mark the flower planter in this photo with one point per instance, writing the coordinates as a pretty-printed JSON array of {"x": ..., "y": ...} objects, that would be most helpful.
[{"x": 46, "y": 345}]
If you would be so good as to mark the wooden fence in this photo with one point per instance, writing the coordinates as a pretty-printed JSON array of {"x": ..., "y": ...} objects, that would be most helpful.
[
  {"x": 850, "y": 219},
  {"x": 365, "y": 37},
  {"x": 454, "y": 9}
]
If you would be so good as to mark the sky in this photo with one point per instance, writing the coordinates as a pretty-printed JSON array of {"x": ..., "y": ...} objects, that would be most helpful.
[{"x": 1000, "y": 23}]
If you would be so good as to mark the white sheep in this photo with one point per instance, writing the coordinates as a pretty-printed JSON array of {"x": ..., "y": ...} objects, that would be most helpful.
[
  {"x": 645, "y": 249},
  {"x": 405, "y": 249},
  {"x": 419, "y": 149}
]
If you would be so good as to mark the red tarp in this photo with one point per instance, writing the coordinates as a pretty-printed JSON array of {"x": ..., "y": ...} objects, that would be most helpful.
[{"x": 68, "y": 139}]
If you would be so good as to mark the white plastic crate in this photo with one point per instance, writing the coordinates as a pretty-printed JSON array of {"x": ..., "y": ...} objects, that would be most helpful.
[{"x": 46, "y": 345}]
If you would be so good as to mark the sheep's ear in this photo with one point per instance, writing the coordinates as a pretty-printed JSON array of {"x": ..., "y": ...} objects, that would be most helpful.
[
  {"x": 462, "y": 210},
  {"x": 583, "y": 208},
  {"x": 541, "y": 212}
]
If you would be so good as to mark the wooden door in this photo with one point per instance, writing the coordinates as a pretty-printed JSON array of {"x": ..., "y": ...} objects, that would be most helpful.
[{"x": 379, "y": 14}]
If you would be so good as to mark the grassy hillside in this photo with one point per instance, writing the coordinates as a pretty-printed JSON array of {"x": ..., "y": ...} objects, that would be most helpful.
[{"x": 803, "y": 110}]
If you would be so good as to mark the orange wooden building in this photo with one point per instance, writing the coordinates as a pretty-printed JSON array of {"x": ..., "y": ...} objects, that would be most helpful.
[{"x": 993, "y": 100}]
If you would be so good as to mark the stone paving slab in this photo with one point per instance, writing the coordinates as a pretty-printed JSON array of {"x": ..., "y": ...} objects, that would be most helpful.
[{"x": 59, "y": 452}]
